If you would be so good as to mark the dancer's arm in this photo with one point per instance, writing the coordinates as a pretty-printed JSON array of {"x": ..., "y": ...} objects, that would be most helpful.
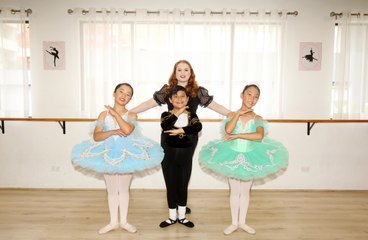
[
  {"x": 195, "y": 125},
  {"x": 125, "y": 126},
  {"x": 257, "y": 135},
  {"x": 168, "y": 120},
  {"x": 230, "y": 125},
  {"x": 219, "y": 108},
  {"x": 99, "y": 134},
  {"x": 144, "y": 106}
]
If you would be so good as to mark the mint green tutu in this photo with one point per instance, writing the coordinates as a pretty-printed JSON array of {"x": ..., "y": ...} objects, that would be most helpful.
[
  {"x": 242, "y": 159},
  {"x": 133, "y": 154}
]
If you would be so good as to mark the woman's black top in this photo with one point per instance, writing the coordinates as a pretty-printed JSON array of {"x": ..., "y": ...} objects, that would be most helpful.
[{"x": 203, "y": 99}]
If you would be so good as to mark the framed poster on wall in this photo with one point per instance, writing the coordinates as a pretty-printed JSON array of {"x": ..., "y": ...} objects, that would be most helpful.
[
  {"x": 310, "y": 56},
  {"x": 53, "y": 55}
]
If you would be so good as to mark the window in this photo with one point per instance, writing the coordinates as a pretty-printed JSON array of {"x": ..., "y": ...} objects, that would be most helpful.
[
  {"x": 350, "y": 69},
  {"x": 225, "y": 55},
  {"x": 15, "y": 83}
]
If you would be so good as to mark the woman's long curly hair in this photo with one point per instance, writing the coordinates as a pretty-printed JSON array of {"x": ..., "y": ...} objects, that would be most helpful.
[{"x": 192, "y": 86}]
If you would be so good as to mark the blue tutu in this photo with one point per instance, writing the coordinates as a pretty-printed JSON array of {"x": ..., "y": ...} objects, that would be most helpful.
[
  {"x": 242, "y": 159},
  {"x": 133, "y": 154}
]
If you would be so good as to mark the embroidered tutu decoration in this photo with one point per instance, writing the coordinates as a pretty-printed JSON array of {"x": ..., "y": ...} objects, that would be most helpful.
[
  {"x": 245, "y": 160},
  {"x": 133, "y": 154}
]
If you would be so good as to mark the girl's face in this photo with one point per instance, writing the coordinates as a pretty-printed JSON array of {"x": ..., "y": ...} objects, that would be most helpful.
[
  {"x": 179, "y": 99},
  {"x": 182, "y": 73},
  {"x": 250, "y": 97},
  {"x": 123, "y": 95}
]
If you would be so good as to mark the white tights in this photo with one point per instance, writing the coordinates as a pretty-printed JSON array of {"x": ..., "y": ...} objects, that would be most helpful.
[
  {"x": 118, "y": 196},
  {"x": 117, "y": 186},
  {"x": 239, "y": 203}
]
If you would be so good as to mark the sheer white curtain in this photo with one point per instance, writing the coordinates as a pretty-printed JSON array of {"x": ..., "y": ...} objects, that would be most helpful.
[
  {"x": 350, "y": 77},
  {"x": 258, "y": 58},
  {"x": 226, "y": 49},
  {"x": 14, "y": 64}
]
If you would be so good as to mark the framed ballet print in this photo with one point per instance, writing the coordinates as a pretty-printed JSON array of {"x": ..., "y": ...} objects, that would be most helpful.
[
  {"x": 53, "y": 55},
  {"x": 310, "y": 56}
]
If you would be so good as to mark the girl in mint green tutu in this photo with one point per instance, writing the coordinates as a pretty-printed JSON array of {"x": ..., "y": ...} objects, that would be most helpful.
[
  {"x": 244, "y": 156},
  {"x": 117, "y": 151}
]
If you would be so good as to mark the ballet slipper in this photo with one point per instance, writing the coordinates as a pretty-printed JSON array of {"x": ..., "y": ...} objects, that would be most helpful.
[
  {"x": 230, "y": 229},
  {"x": 186, "y": 222},
  {"x": 108, "y": 228},
  {"x": 128, "y": 227},
  {"x": 167, "y": 223},
  {"x": 247, "y": 228}
]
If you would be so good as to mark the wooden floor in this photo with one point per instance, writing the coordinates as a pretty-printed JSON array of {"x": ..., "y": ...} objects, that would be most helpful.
[{"x": 276, "y": 215}]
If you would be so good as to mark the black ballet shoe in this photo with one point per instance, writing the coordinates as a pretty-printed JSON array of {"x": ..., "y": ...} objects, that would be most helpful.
[
  {"x": 187, "y": 210},
  {"x": 186, "y": 222},
  {"x": 166, "y": 224}
]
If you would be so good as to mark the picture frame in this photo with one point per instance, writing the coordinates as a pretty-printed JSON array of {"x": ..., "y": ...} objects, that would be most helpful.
[
  {"x": 310, "y": 56},
  {"x": 53, "y": 55}
]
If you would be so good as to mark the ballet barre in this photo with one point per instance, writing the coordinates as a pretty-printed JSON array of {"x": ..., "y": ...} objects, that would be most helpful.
[
  {"x": 62, "y": 121},
  {"x": 312, "y": 122}
]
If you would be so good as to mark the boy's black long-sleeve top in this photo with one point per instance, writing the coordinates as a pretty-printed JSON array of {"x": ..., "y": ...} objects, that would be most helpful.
[{"x": 194, "y": 126}]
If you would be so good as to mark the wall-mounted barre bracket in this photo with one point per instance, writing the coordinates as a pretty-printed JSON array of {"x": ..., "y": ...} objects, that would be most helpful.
[
  {"x": 2, "y": 127},
  {"x": 309, "y": 127},
  {"x": 63, "y": 126}
]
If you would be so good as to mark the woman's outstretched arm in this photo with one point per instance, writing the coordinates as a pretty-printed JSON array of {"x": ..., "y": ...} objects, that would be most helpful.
[
  {"x": 144, "y": 106},
  {"x": 219, "y": 108}
]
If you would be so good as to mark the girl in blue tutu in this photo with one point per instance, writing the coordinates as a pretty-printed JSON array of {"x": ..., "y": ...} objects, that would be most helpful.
[
  {"x": 245, "y": 156},
  {"x": 117, "y": 151}
]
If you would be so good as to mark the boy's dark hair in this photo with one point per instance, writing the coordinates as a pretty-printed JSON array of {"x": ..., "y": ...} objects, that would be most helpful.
[{"x": 176, "y": 89}]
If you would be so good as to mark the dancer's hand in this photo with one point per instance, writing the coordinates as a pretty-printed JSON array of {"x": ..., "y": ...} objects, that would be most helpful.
[
  {"x": 112, "y": 111},
  {"x": 174, "y": 132},
  {"x": 243, "y": 112},
  {"x": 230, "y": 136},
  {"x": 119, "y": 132}
]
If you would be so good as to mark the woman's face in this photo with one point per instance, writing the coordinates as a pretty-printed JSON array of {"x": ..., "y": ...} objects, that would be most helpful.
[{"x": 182, "y": 74}]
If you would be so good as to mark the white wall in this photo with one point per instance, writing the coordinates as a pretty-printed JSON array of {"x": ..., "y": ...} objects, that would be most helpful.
[
  {"x": 37, "y": 154},
  {"x": 334, "y": 156}
]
